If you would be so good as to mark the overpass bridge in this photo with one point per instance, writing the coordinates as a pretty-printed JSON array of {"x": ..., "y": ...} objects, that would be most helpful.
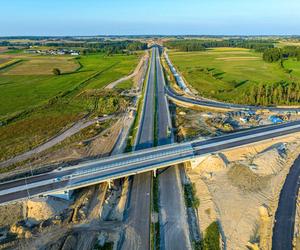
[{"x": 114, "y": 167}]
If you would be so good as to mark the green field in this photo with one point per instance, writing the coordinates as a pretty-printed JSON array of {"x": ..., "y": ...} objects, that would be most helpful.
[
  {"x": 294, "y": 65},
  {"x": 35, "y": 106},
  {"x": 227, "y": 73},
  {"x": 19, "y": 92},
  {"x": 125, "y": 85}
]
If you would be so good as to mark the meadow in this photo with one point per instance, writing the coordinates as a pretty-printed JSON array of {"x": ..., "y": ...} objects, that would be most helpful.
[
  {"x": 29, "y": 88},
  {"x": 294, "y": 66},
  {"x": 36, "y": 104},
  {"x": 227, "y": 73}
]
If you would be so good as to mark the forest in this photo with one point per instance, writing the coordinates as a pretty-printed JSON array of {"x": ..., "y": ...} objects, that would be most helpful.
[
  {"x": 276, "y": 54},
  {"x": 201, "y": 45}
]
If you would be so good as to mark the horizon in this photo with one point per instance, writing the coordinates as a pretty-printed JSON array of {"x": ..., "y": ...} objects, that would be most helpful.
[
  {"x": 149, "y": 35},
  {"x": 120, "y": 18}
]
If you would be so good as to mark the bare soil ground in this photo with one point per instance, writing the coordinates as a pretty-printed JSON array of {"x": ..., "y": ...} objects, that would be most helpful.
[
  {"x": 240, "y": 188},
  {"x": 73, "y": 150},
  {"x": 87, "y": 206},
  {"x": 190, "y": 125},
  {"x": 53, "y": 141},
  {"x": 3, "y": 49},
  {"x": 11, "y": 214}
]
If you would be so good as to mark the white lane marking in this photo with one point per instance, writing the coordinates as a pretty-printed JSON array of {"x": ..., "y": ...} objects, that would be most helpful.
[
  {"x": 247, "y": 137},
  {"x": 136, "y": 171},
  {"x": 87, "y": 173},
  {"x": 141, "y": 160},
  {"x": 271, "y": 127},
  {"x": 122, "y": 156},
  {"x": 25, "y": 187},
  {"x": 135, "y": 160}
]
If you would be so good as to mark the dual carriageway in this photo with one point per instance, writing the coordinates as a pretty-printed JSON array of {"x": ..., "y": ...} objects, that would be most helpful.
[{"x": 146, "y": 158}]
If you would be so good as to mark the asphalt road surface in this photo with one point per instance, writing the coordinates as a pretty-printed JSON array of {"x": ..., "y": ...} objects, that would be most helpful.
[
  {"x": 204, "y": 102},
  {"x": 137, "y": 232},
  {"x": 163, "y": 114},
  {"x": 129, "y": 164},
  {"x": 283, "y": 230},
  {"x": 173, "y": 220}
]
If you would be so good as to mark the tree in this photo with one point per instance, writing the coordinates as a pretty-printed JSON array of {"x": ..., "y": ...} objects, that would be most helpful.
[
  {"x": 56, "y": 71},
  {"x": 272, "y": 55},
  {"x": 212, "y": 237}
]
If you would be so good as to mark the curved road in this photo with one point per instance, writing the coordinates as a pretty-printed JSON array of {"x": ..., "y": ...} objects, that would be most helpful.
[
  {"x": 283, "y": 230},
  {"x": 212, "y": 103},
  {"x": 219, "y": 105}
]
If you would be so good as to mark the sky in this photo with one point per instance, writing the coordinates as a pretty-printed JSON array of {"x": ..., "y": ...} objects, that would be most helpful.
[{"x": 155, "y": 17}]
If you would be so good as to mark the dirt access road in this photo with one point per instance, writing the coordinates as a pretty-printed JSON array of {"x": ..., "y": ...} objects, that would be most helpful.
[{"x": 53, "y": 141}]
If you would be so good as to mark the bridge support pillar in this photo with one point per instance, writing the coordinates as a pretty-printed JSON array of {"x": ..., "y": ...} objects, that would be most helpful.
[
  {"x": 66, "y": 195},
  {"x": 154, "y": 172},
  {"x": 197, "y": 161},
  {"x": 109, "y": 183}
]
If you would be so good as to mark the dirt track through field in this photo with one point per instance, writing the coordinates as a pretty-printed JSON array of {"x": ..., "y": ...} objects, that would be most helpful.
[
  {"x": 125, "y": 78},
  {"x": 53, "y": 141}
]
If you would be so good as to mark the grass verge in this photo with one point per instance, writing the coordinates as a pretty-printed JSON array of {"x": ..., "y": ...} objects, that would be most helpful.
[
  {"x": 155, "y": 227},
  {"x": 211, "y": 240},
  {"x": 155, "y": 181},
  {"x": 191, "y": 200}
]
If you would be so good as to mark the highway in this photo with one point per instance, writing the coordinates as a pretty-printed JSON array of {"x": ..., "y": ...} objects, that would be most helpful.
[
  {"x": 137, "y": 214},
  {"x": 172, "y": 214},
  {"x": 283, "y": 230},
  {"x": 163, "y": 115},
  {"x": 114, "y": 167},
  {"x": 167, "y": 155},
  {"x": 140, "y": 163}
]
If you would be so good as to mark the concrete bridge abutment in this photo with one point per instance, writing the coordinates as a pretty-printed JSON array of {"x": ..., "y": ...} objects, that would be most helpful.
[
  {"x": 65, "y": 195},
  {"x": 195, "y": 162}
]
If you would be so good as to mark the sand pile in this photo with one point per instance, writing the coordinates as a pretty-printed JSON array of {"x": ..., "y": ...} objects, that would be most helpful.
[
  {"x": 269, "y": 162},
  {"x": 211, "y": 164},
  {"x": 243, "y": 193},
  {"x": 11, "y": 213},
  {"x": 245, "y": 179},
  {"x": 45, "y": 208}
]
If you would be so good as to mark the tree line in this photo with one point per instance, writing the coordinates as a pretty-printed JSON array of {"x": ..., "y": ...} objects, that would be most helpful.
[
  {"x": 114, "y": 47},
  {"x": 108, "y": 47},
  {"x": 277, "y": 54},
  {"x": 280, "y": 93},
  {"x": 200, "y": 45}
]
